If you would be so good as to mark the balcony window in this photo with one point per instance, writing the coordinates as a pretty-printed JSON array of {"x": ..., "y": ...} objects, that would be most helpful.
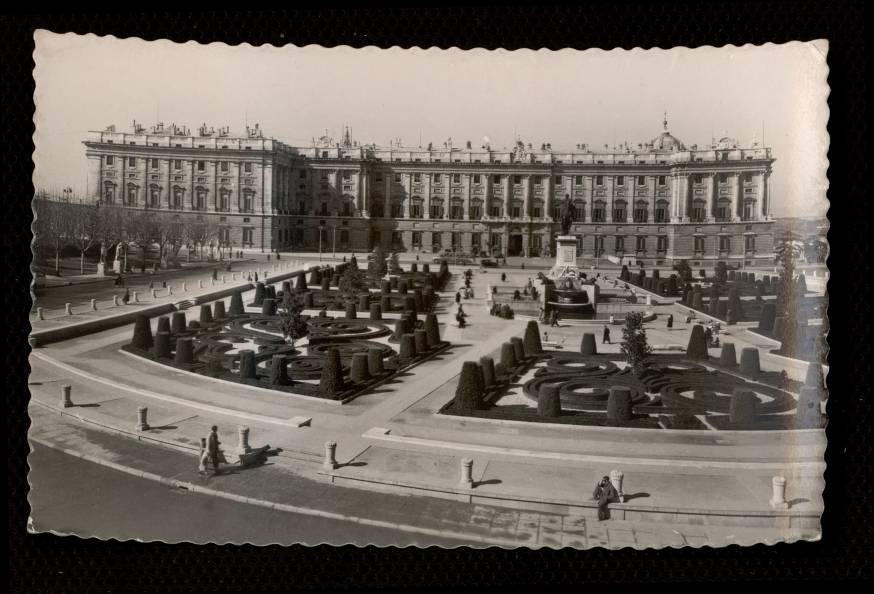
[
  {"x": 619, "y": 244},
  {"x": 417, "y": 239},
  {"x": 640, "y": 244},
  {"x": 662, "y": 243},
  {"x": 699, "y": 245},
  {"x": 724, "y": 244},
  {"x": 416, "y": 211},
  {"x": 619, "y": 215},
  {"x": 397, "y": 210},
  {"x": 640, "y": 215}
]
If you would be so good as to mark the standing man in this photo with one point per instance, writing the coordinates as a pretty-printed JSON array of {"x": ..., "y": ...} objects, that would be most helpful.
[
  {"x": 606, "y": 339},
  {"x": 212, "y": 444}
]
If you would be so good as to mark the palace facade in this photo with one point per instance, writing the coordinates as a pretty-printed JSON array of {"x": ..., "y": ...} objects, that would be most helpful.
[{"x": 653, "y": 202}]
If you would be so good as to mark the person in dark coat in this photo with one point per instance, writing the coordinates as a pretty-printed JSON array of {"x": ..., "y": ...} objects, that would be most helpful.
[
  {"x": 126, "y": 296},
  {"x": 212, "y": 445},
  {"x": 458, "y": 297},
  {"x": 671, "y": 321},
  {"x": 604, "y": 493},
  {"x": 606, "y": 338}
]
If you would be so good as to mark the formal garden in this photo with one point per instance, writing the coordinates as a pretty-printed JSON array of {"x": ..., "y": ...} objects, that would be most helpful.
[
  {"x": 335, "y": 335},
  {"x": 636, "y": 389}
]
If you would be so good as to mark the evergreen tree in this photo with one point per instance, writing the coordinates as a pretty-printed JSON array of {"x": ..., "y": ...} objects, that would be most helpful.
[
  {"x": 376, "y": 267},
  {"x": 634, "y": 346},
  {"x": 352, "y": 282},
  {"x": 292, "y": 322},
  {"x": 394, "y": 265},
  {"x": 786, "y": 252}
]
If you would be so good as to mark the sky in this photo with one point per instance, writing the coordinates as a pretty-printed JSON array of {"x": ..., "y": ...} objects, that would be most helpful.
[{"x": 566, "y": 97}]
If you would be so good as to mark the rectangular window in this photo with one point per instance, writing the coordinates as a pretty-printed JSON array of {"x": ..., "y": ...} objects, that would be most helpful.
[
  {"x": 620, "y": 244},
  {"x": 558, "y": 180},
  {"x": 177, "y": 164},
  {"x": 456, "y": 178},
  {"x": 619, "y": 214},
  {"x": 456, "y": 211},
  {"x": 344, "y": 237},
  {"x": 722, "y": 214},
  {"x": 110, "y": 160},
  {"x": 247, "y": 167},
  {"x": 397, "y": 178},
  {"x": 699, "y": 245},
  {"x": 416, "y": 211},
  {"x": 620, "y": 180},
  {"x": 396, "y": 238},
  {"x": 599, "y": 180},
  {"x": 417, "y": 239},
  {"x": 417, "y": 177},
  {"x": 640, "y": 244},
  {"x": 661, "y": 180},
  {"x": 224, "y": 166},
  {"x": 640, "y": 215},
  {"x": 324, "y": 154},
  {"x": 641, "y": 180},
  {"x": 535, "y": 212},
  {"x": 517, "y": 212},
  {"x": 397, "y": 210},
  {"x": 495, "y": 211},
  {"x": 347, "y": 175},
  {"x": 537, "y": 180},
  {"x": 436, "y": 241},
  {"x": 750, "y": 243},
  {"x": 437, "y": 178},
  {"x": 724, "y": 244},
  {"x": 517, "y": 180},
  {"x": 476, "y": 179},
  {"x": 154, "y": 163},
  {"x": 201, "y": 165},
  {"x": 662, "y": 243},
  {"x": 496, "y": 179},
  {"x": 476, "y": 211},
  {"x": 302, "y": 174},
  {"x": 247, "y": 236},
  {"x": 661, "y": 214},
  {"x": 598, "y": 214},
  {"x": 599, "y": 245},
  {"x": 324, "y": 209},
  {"x": 475, "y": 240},
  {"x": 131, "y": 161},
  {"x": 578, "y": 180}
]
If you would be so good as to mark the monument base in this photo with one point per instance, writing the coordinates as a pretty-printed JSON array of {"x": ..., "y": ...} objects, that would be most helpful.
[
  {"x": 116, "y": 266},
  {"x": 565, "y": 257},
  {"x": 101, "y": 269}
]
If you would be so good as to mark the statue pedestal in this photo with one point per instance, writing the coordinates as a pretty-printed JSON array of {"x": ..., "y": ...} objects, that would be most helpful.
[
  {"x": 565, "y": 256},
  {"x": 101, "y": 269},
  {"x": 116, "y": 266}
]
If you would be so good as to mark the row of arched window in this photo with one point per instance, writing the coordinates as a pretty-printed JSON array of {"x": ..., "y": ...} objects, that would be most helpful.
[{"x": 130, "y": 196}]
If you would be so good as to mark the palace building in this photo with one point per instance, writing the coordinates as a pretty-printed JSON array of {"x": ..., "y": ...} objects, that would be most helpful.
[{"x": 654, "y": 202}]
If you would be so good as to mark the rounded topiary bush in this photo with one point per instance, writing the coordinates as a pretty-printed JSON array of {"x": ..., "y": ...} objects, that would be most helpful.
[
  {"x": 432, "y": 328},
  {"x": 162, "y": 345},
  {"x": 588, "y": 345},
  {"x": 360, "y": 372},
  {"x": 142, "y": 338},
  {"x": 279, "y": 371},
  {"x": 743, "y": 407},
  {"x": 749, "y": 361},
  {"x": 184, "y": 351},
  {"x": 374, "y": 362},
  {"x": 728, "y": 355},
  {"x": 532, "y": 343},
  {"x": 487, "y": 365},
  {"x": 469, "y": 393},
  {"x": 619, "y": 404},
  {"x": 697, "y": 347},
  {"x": 237, "y": 303},
  {"x": 548, "y": 401}
]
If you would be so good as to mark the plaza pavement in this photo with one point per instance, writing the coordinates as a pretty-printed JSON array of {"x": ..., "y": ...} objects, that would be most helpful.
[{"x": 392, "y": 440}]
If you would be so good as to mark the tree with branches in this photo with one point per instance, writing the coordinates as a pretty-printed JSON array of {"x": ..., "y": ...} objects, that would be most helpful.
[
  {"x": 786, "y": 252},
  {"x": 292, "y": 322},
  {"x": 51, "y": 227},
  {"x": 84, "y": 229},
  {"x": 376, "y": 267},
  {"x": 635, "y": 347},
  {"x": 352, "y": 282}
]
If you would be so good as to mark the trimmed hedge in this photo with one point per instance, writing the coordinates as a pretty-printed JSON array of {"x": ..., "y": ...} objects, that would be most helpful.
[
  {"x": 728, "y": 356},
  {"x": 247, "y": 365},
  {"x": 743, "y": 407},
  {"x": 374, "y": 362},
  {"x": 487, "y": 365},
  {"x": 749, "y": 361},
  {"x": 360, "y": 369},
  {"x": 588, "y": 345},
  {"x": 531, "y": 341},
  {"x": 162, "y": 345},
  {"x": 279, "y": 371},
  {"x": 237, "y": 304},
  {"x": 331, "y": 381},
  {"x": 142, "y": 338},
  {"x": 697, "y": 347},
  {"x": 619, "y": 404},
  {"x": 469, "y": 393},
  {"x": 548, "y": 401},
  {"x": 184, "y": 351},
  {"x": 433, "y": 329}
]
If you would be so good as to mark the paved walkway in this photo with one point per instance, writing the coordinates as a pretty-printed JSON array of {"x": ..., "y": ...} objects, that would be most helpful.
[{"x": 277, "y": 487}]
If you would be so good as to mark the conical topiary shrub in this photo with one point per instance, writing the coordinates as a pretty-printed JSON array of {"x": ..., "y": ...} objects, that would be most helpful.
[
  {"x": 163, "y": 324},
  {"x": 374, "y": 362},
  {"x": 331, "y": 383},
  {"x": 749, "y": 361},
  {"x": 487, "y": 365},
  {"x": 315, "y": 276},
  {"x": 260, "y": 293},
  {"x": 351, "y": 311},
  {"x": 218, "y": 310},
  {"x": 619, "y": 404},
  {"x": 713, "y": 304},
  {"x": 268, "y": 307},
  {"x": 587, "y": 344},
  {"x": 549, "y": 401},
  {"x": 393, "y": 282},
  {"x": 279, "y": 371},
  {"x": 722, "y": 310},
  {"x": 402, "y": 326},
  {"x": 432, "y": 328},
  {"x": 364, "y": 302},
  {"x": 410, "y": 304},
  {"x": 697, "y": 303},
  {"x": 385, "y": 287},
  {"x": 177, "y": 322},
  {"x": 742, "y": 408},
  {"x": 408, "y": 348},
  {"x": 808, "y": 414},
  {"x": 385, "y": 303},
  {"x": 375, "y": 311},
  {"x": 308, "y": 300},
  {"x": 184, "y": 351},
  {"x": 414, "y": 267},
  {"x": 286, "y": 288},
  {"x": 508, "y": 357},
  {"x": 360, "y": 372},
  {"x": 518, "y": 349},
  {"x": 301, "y": 282},
  {"x": 728, "y": 356},
  {"x": 402, "y": 286},
  {"x": 426, "y": 268},
  {"x": 417, "y": 300},
  {"x": 531, "y": 341},
  {"x": 237, "y": 304},
  {"x": 420, "y": 338},
  {"x": 162, "y": 345},
  {"x": 142, "y": 338},
  {"x": 769, "y": 314},
  {"x": 469, "y": 393},
  {"x": 326, "y": 283},
  {"x": 205, "y": 315},
  {"x": 248, "y": 370},
  {"x": 697, "y": 347}
]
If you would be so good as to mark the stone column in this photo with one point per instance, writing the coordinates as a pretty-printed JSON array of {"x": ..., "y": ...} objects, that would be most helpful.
[
  {"x": 505, "y": 183},
  {"x": 763, "y": 196},
  {"x": 526, "y": 197},
  {"x": 466, "y": 473},
  {"x": 778, "y": 493}
]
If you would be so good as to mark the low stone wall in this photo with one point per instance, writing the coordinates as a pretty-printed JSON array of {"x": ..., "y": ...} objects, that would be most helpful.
[{"x": 44, "y": 337}]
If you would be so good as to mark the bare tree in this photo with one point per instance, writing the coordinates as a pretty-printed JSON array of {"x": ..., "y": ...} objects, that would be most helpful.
[
  {"x": 200, "y": 233},
  {"x": 51, "y": 227},
  {"x": 84, "y": 226},
  {"x": 110, "y": 228}
]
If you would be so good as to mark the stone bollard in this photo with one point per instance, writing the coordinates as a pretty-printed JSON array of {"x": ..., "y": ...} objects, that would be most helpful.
[
  {"x": 243, "y": 440},
  {"x": 68, "y": 308},
  {"x": 223, "y": 279},
  {"x": 330, "y": 462},
  {"x": 233, "y": 276},
  {"x": 212, "y": 282},
  {"x": 467, "y": 473},
  {"x": 66, "y": 400},
  {"x": 184, "y": 286},
  {"x": 154, "y": 293},
  {"x": 142, "y": 418},
  {"x": 616, "y": 477},
  {"x": 778, "y": 493},
  {"x": 39, "y": 313},
  {"x": 94, "y": 303},
  {"x": 115, "y": 300},
  {"x": 134, "y": 297},
  {"x": 200, "y": 284}
]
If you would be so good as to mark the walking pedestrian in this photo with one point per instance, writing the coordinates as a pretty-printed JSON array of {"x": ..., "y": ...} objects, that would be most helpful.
[
  {"x": 215, "y": 274},
  {"x": 670, "y": 321},
  {"x": 606, "y": 338},
  {"x": 604, "y": 493},
  {"x": 213, "y": 444},
  {"x": 458, "y": 297},
  {"x": 203, "y": 459},
  {"x": 503, "y": 277},
  {"x": 126, "y": 297}
]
